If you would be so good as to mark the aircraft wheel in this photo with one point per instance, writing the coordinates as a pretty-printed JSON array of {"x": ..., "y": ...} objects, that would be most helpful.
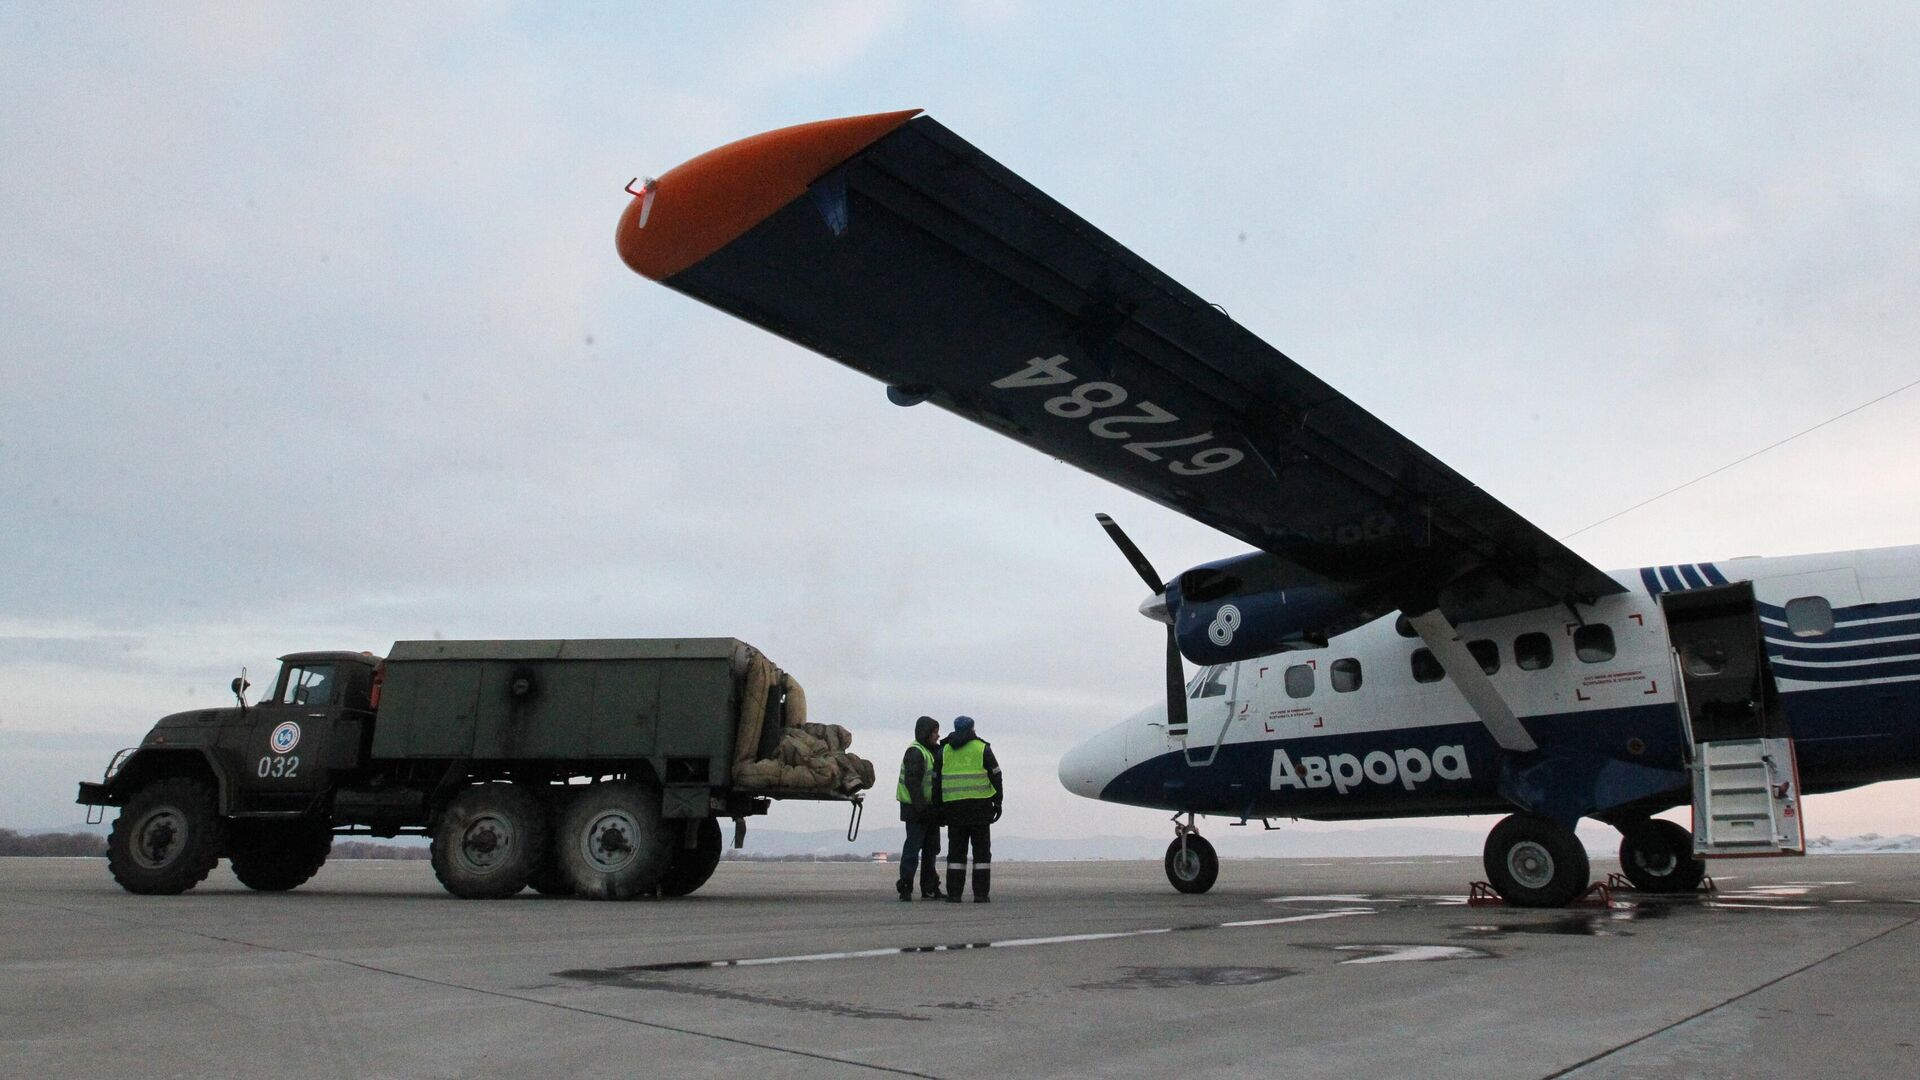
[
  {"x": 1657, "y": 856},
  {"x": 489, "y": 841},
  {"x": 1191, "y": 864},
  {"x": 1535, "y": 862},
  {"x": 613, "y": 843}
]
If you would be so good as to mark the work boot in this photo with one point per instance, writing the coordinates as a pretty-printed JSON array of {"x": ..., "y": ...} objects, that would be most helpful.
[
  {"x": 980, "y": 883},
  {"x": 956, "y": 883},
  {"x": 905, "y": 889},
  {"x": 930, "y": 890}
]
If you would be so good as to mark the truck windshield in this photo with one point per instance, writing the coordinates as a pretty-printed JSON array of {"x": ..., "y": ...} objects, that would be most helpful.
[{"x": 308, "y": 684}]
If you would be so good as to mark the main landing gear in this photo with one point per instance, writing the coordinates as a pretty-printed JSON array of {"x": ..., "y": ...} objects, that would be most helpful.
[
  {"x": 1534, "y": 861},
  {"x": 1657, "y": 856}
]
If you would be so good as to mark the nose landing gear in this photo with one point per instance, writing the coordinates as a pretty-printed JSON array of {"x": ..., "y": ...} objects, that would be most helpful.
[{"x": 1191, "y": 863}]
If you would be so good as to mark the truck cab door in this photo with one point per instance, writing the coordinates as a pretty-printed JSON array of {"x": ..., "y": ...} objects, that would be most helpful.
[{"x": 283, "y": 744}]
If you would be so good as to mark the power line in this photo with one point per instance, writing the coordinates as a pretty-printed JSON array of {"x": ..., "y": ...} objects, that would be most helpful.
[{"x": 1736, "y": 461}]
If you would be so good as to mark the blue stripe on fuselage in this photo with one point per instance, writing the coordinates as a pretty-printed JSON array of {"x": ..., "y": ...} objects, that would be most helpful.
[{"x": 1845, "y": 737}]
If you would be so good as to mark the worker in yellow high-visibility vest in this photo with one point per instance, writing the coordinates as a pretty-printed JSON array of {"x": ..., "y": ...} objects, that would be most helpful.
[
  {"x": 970, "y": 800},
  {"x": 919, "y": 793}
]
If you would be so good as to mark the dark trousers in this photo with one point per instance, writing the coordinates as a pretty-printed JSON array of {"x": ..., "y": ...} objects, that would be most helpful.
[
  {"x": 960, "y": 837},
  {"x": 922, "y": 850}
]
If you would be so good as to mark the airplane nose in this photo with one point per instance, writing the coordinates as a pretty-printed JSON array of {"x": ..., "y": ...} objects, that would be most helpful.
[{"x": 1088, "y": 768}]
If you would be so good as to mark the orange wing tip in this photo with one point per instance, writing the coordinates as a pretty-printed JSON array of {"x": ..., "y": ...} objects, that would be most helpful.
[{"x": 701, "y": 206}]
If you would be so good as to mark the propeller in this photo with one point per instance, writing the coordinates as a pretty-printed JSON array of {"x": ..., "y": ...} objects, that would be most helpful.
[{"x": 1176, "y": 669}]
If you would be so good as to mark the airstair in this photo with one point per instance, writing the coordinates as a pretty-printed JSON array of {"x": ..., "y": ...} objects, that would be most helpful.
[
  {"x": 1746, "y": 798},
  {"x": 1746, "y": 783}
]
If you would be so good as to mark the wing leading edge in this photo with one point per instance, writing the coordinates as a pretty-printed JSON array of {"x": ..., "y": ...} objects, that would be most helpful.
[{"x": 890, "y": 244}]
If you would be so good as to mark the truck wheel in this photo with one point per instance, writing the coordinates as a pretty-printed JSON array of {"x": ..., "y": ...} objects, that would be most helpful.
[
  {"x": 1536, "y": 862},
  {"x": 1657, "y": 856},
  {"x": 690, "y": 867},
  {"x": 489, "y": 841},
  {"x": 167, "y": 838},
  {"x": 613, "y": 844},
  {"x": 274, "y": 856}
]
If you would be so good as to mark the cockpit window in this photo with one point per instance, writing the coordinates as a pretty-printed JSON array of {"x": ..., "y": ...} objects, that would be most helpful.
[
  {"x": 1210, "y": 683},
  {"x": 308, "y": 684}
]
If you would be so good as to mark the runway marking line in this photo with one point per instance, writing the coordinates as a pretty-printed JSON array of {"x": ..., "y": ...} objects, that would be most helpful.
[{"x": 1012, "y": 943}]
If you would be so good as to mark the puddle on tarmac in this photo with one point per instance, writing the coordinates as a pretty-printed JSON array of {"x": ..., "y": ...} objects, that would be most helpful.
[{"x": 1176, "y": 978}]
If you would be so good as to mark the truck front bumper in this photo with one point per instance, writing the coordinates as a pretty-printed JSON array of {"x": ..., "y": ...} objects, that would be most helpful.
[{"x": 92, "y": 794}]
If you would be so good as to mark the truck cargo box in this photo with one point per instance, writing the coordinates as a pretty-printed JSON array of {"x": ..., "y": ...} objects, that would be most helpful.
[{"x": 581, "y": 700}]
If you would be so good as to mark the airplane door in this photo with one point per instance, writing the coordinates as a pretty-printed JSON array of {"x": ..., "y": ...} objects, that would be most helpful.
[
  {"x": 1211, "y": 701},
  {"x": 1746, "y": 787}
]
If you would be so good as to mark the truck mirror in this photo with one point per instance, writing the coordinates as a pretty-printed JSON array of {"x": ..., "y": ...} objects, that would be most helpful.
[{"x": 240, "y": 685}]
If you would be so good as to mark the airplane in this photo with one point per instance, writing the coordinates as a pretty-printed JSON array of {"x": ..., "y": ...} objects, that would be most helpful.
[{"x": 1398, "y": 643}]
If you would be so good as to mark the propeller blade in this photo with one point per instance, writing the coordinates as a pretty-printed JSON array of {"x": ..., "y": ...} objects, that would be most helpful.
[
  {"x": 1140, "y": 564},
  {"x": 1176, "y": 684}
]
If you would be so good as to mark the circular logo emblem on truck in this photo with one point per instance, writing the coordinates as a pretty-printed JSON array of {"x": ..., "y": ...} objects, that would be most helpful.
[{"x": 285, "y": 737}]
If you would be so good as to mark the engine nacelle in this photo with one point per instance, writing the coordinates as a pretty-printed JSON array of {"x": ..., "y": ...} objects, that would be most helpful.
[{"x": 1237, "y": 609}]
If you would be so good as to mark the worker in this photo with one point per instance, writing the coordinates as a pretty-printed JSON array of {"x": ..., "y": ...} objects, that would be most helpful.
[
  {"x": 970, "y": 799},
  {"x": 920, "y": 810}
]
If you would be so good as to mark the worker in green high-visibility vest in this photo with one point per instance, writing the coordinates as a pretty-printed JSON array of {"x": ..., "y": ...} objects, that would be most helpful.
[
  {"x": 970, "y": 799},
  {"x": 919, "y": 794}
]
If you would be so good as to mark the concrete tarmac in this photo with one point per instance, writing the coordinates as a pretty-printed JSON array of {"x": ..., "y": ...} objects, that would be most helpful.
[{"x": 1297, "y": 968}]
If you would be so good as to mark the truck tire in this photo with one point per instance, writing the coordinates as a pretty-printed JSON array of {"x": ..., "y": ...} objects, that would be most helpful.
[
  {"x": 690, "y": 867},
  {"x": 613, "y": 843},
  {"x": 274, "y": 856},
  {"x": 489, "y": 841},
  {"x": 549, "y": 879},
  {"x": 167, "y": 838}
]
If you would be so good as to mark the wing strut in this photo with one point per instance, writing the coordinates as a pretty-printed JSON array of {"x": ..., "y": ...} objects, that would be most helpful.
[{"x": 1493, "y": 710}]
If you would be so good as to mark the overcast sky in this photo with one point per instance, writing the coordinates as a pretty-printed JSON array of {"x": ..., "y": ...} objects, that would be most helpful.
[{"x": 312, "y": 334}]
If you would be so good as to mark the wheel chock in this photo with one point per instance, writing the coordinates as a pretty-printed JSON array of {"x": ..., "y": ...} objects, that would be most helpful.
[
  {"x": 1599, "y": 895},
  {"x": 1483, "y": 894},
  {"x": 1617, "y": 882}
]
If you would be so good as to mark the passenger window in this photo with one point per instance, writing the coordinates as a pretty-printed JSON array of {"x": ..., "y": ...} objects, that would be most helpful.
[
  {"x": 1213, "y": 682},
  {"x": 1810, "y": 616},
  {"x": 1300, "y": 681},
  {"x": 1345, "y": 675},
  {"x": 1404, "y": 628},
  {"x": 1487, "y": 653},
  {"x": 1593, "y": 643},
  {"x": 1533, "y": 652},
  {"x": 1426, "y": 668},
  {"x": 308, "y": 686}
]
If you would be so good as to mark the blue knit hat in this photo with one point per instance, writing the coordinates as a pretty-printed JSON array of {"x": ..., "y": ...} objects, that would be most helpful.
[{"x": 962, "y": 724}]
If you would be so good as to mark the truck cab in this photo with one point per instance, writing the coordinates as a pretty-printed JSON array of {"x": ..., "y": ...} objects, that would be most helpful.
[{"x": 312, "y": 724}]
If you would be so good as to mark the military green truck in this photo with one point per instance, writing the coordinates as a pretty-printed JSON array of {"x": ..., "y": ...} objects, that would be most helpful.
[{"x": 598, "y": 768}]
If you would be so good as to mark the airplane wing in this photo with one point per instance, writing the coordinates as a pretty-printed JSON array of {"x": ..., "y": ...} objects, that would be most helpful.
[{"x": 892, "y": 245}]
